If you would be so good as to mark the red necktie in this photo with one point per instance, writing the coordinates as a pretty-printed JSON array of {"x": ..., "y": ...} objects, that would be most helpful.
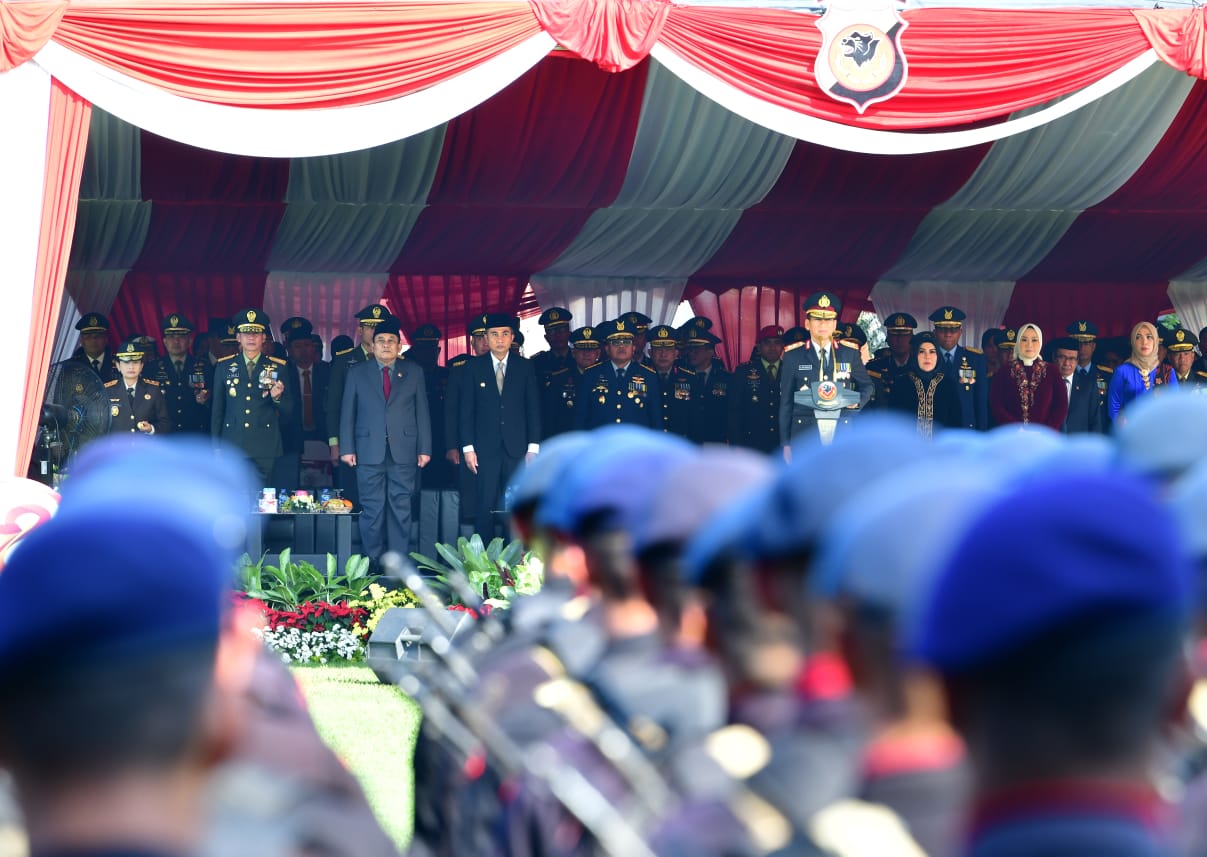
[{"x": 385, "y": 380}]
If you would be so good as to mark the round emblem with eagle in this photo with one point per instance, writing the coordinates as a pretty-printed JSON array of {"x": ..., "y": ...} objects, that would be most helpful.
[{"x": 827, "y": 391}]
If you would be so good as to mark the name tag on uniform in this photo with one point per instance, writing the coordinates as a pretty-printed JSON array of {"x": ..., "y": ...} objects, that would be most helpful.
[{"x": 808, "y": 367}]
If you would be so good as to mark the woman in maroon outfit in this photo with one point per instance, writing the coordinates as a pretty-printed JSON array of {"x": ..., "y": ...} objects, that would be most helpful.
[{"x": 1028, "y": 390}]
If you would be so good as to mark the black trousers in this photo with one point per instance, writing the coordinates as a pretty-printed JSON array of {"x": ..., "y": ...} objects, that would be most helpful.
[{"x": 494, "y": 471}]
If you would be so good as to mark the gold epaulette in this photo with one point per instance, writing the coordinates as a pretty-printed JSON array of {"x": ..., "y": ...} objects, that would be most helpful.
[
  {"x": 149, "y": 382},
  {"x": 279, "y": 361},
  {"x": 1201, "y": 374},
  {"x": 687, "y": 371},
  {"x": 345, "y": 351},
  {"x": 112, "y": 383},
  {"x": 973, "y": 350},
  {"x": 558, "y": 371},
  {"x": 227, "y": 357},
  {"x": 872, "y": 373},
  {"x": 1107, "y": 369},
  {"x": 646, "y": 368}
]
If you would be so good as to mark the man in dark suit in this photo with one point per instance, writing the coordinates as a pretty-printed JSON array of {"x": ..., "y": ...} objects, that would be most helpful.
[
  {"x": 560, "y": 387},
  {"x": 386, "y": 436},
  {"x": 467, "y": 481},
  {"x": 500, "y": 417},
  {"x": 252, "y": 395},
  {"x": 1096, "y": 376},
  {"x": 556, "y": 321},
  {"x": 676, "y": 383},
  {"x": 94, "y": 349},
  {"x": 822, "y": 359},
  {"x": 368, "y": 318},
  {"x": 966, "y": 366},
  {"x": 1085, "y": 411},
  {"x": 182, "y": 377},
  {"x": 135, "y": 404},
  {"x": 311, "y": 379},
  {"x": 619, "y": 390},
  {"x": 754, "y": 395},
  {"x": 709, "y": 407},
  {"x": 899, "y": 329}
]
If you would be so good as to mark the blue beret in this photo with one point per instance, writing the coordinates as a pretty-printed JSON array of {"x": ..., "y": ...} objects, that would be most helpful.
[
  {"x": 1149, "y": 419},
  {"x": 802, "y": 505},
  {"x": 609, "y": 478},
  {"x": 543, "y": 475},
  {"x": 1187, "y": 498},
  {"x": 889, "y": 535},
  {"x": 139, "y": 556},
  {"x": 694, "y": 490},
  {"x": 1020, "y": 571},
  {"x": 723, "y": 535}
]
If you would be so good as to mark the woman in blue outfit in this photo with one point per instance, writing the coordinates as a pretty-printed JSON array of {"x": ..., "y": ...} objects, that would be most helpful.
[{"x": 1139, "y": 374}]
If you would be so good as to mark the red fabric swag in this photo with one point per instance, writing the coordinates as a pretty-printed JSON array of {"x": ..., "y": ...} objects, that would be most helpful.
[
  {"x": 1178, "y": 36},
  {"x": 294, "y": 54},
  {"x": 965, "y": 65},
  {"x": 613, "y": 34},
  {"x": 25, "y": 28}
]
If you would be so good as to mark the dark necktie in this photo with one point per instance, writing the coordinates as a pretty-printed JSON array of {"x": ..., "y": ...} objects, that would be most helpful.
[
  {"x": 308, "y": 399},
  {"x": 385, "y": 380},
  {"x": 827, "y": 366},
  {"x": 130, "y": 395},
  {"x": 771, "y": 370},
  {"x": 619, "y": 374},
  {"x": 179, "y": 364},
  {"x": 947, "y": 361},
  {"x": 96, "y": 366}
]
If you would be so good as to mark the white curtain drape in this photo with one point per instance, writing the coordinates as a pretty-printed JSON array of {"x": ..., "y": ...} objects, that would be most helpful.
[
  {"x": 593, "y": 300},
  {"x": 86, "y": 291},
  {"x": 1026, "y": 194},
  {"x": 1189, "y": 299},
  {"x": 870, "y": 142},
  {"x": 329, "y": 300},
  {"x": 694, "y": 168},
  {"x": 288, "y": 133}
]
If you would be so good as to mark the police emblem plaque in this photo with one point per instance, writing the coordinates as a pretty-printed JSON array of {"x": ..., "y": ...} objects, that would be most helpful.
[{"x": 860, "y": 61}]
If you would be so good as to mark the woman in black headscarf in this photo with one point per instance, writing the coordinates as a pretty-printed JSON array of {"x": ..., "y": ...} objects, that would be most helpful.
[{"x": 923, "y": 391}]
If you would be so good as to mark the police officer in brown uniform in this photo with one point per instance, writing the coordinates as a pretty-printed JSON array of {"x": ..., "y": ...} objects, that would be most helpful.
[
  {"x": 135, "y": 404},
  {"x": 754, "y": 395},
  {"x": 253, "y": 395},
  {"x": 899, "y": 328}
]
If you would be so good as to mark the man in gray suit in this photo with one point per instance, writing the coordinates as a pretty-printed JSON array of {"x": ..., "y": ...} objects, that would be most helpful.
[{"x": 386, "y": 436}]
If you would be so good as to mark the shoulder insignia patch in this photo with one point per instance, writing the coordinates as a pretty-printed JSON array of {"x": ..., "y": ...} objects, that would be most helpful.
[
  {"x": 973, "y": 350},
  {"x": 112, "y": 383},
  {"x": 227, "y": 357},
  {"x": 149, "y": 382},
  {"x": 872, "y": 373},
  {"x": 686, "y": 371},
  {"x": 1107, "y": 369},
  {"x": 561, "y": 371},
  {"x": 341, "y": 353},
  {"x": 278, "y": 361},
  {"x": 1201, "y": 374}
]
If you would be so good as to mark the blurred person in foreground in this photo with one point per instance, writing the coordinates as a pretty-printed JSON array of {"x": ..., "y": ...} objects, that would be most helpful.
[
  {"x": 1063, "y": 664},
  {"x": 140, "y": 734}
]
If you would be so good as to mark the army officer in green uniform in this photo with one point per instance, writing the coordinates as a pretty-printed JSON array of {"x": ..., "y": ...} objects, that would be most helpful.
[{"x": 251, "y": 395}]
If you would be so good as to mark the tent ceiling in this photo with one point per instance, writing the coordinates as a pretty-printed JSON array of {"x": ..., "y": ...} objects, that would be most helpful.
[{"x": 594, "y": 186}]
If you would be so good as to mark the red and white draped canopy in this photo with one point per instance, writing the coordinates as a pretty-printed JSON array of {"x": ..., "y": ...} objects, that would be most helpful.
[{"x": 444, "y": 154}]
